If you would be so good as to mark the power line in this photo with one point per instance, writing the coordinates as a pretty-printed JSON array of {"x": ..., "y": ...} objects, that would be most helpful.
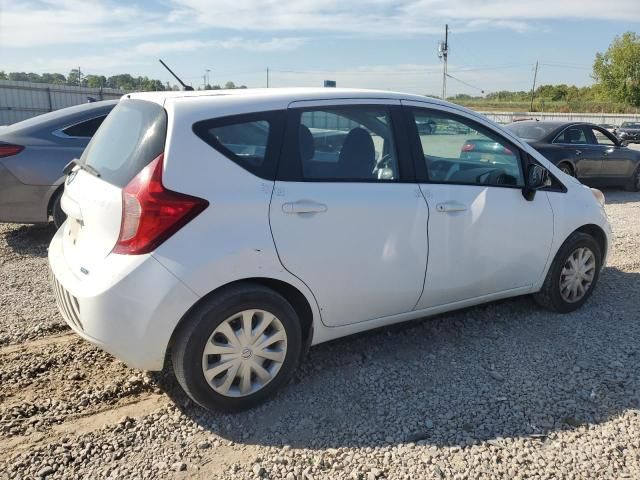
[{"x": 465, "y": 83}]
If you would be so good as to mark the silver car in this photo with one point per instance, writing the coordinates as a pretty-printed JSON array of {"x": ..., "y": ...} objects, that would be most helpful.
[{"x": 33, "y": 154}]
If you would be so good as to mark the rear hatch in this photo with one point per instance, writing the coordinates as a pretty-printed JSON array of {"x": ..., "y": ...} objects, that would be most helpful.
[{"x": 129, "y": 139}]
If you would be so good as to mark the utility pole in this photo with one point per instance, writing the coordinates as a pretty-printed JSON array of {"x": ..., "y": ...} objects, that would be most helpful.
[
  {"x": 204, "y": 81},
  {"x": 443, "y": 53},
  {"x": 533, "y": 87},
  {"x": 79, "y": 77},
  {"x": 267, "y": 77},
  {"x": 208, "y": 81}
]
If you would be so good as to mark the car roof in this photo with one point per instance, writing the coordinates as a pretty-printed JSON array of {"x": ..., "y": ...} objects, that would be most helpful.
[
  {"x": 292, "y": 93},
  {"x": 62, "y": 116},
  {"x": 283, "y": 94}
]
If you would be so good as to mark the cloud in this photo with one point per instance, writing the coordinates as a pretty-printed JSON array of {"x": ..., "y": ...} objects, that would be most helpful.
[
  {"x": 399, "y": 17},
  {"x": 235, "y": 43},
  {"x": 49, "y": 22},
  {"x": 146, "y": 53},
  {"x": 32, "y": 23}
]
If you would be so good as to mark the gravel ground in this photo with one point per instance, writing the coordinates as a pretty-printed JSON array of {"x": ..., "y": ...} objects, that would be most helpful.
[{"x": 504, "y": 390}]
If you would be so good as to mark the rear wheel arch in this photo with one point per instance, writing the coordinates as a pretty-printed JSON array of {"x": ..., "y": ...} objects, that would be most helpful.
[{"x": 293, "y": 295}]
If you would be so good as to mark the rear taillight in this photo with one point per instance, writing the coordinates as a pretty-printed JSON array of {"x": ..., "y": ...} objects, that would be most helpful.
[
  {"x": 151, "y": 213},
  {"x": 467, "y": 147},
  {"x": 7, "y": 150}
]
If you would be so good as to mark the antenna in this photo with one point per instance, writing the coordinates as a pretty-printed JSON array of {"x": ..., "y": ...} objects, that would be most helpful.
[{"x": 185, "y": 87}]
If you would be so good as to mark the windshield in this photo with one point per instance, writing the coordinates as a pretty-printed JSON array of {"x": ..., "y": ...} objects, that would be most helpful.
[
  {"x": 530, "y": 131},
  {"x": 630, "y": 125},
  {"x": 131, "y": 136}
]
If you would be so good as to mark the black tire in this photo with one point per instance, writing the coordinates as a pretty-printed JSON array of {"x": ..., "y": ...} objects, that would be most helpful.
[
  {"x": 549, "y": 296},
  {"x": 634, "y": 181},
  {"x": 566, "y": 168},
  {"x": 56, "y": 210},
  {"x": 198, "y": 326}
]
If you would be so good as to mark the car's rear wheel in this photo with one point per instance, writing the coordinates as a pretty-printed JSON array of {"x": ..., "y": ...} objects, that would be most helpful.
[
  {"x": 56, "y": 210},
  {"x": 566, "y": 168},
  {"x": 237, "y": 348},
  {"x": 634, "y": 181},
  {"x": 573, "y": 274}
]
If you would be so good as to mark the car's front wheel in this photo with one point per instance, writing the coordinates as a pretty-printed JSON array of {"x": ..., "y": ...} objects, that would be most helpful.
[
  {"x": 237, "y": 348},
  {"x": 573, "y": 274}
]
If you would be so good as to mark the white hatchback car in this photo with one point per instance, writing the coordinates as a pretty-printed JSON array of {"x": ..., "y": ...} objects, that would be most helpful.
[{"x": 231, "y": 230}]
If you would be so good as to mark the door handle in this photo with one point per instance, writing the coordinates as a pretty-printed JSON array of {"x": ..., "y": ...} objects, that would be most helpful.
[
  {"x": 578, "y": 152},
  {"x": 304, "y": 206},
  {"x": 450, "y": 207}
]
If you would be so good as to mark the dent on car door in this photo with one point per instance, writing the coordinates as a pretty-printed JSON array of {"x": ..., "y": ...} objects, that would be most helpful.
[
  {"x": 484, "y": 237},
  {"x": 343, "y": 219}
]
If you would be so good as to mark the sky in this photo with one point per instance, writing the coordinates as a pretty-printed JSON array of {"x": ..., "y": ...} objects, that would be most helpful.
[{"x": 386, "y": 44}]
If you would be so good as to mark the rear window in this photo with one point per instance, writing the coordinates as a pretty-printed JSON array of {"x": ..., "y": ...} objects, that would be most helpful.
[
  {"x": 84, "y": 129},
  {"x": 249, "y": 140},
  {"x": 131, "y": 136},
  {"x": 529, "y": 131}
]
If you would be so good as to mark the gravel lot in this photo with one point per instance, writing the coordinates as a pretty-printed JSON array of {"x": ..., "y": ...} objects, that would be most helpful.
[{"x": 504, "y": 390}]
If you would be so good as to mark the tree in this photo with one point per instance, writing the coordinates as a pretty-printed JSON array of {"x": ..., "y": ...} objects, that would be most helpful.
[
  {"x": 3, "y": 76},
  {"x": 18, "y": 76},
  {"x": 96, "y": 81},
  {"x": 617, "y": 70},
  {"x": 75, "y": 77}
]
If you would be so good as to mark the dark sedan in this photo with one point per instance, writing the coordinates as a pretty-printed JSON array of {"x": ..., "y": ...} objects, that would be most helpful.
[
  {"x": 629, "y": 131},
  {"x": 586, "y": 151}
]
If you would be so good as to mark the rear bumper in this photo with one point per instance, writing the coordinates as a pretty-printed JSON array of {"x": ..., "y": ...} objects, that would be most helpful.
[
  {"x": 128, "y": 306},
  {"x": 22, "y": 203}
]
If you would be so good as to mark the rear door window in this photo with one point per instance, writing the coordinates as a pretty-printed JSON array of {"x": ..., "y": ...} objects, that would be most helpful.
[
  {"x": 249, "y": 140},
  {"x": 131, "y": 136},
  {"x": 572, "y": 136}
]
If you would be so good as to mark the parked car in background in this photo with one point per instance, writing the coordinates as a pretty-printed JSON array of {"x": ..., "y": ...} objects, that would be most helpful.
[
  {"x": 586, "y": 151},
  {"x": 33, "y": 154},
  {"x": 629, "y": 131},
  {"x": 212, "y": 226}
]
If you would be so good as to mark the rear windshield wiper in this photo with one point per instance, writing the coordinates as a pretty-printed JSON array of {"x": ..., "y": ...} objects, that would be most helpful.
[{"x": 83, "y": 166}]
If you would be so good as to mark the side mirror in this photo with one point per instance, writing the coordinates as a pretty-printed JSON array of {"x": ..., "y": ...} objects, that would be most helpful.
[
  {"x": 537, "y": 178},
  {"x": 624, "y": 143}
]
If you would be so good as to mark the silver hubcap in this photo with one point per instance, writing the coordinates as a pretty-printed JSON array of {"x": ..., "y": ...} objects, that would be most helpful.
[
  {"x": 244, "y": 353},
  {"x": 577, "y": 275}
]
